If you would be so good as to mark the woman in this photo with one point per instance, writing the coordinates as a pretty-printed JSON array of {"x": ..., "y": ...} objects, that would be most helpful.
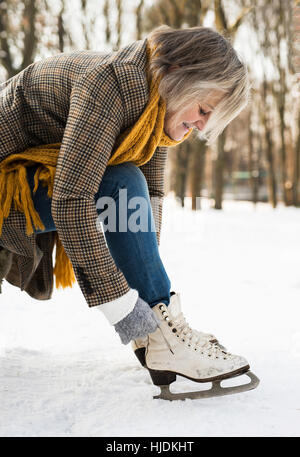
[{"x": 114, "y": 114}]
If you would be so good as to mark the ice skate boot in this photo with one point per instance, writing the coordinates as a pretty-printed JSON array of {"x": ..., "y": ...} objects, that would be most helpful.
[
  {"x": 139, "y": 345},
  {"x": 176, "y": 349}
]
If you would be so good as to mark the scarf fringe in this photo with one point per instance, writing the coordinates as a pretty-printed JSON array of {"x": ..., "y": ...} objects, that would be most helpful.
[
  {"x": 13, "y": 178},
  {"x": 63, "y": 270}
]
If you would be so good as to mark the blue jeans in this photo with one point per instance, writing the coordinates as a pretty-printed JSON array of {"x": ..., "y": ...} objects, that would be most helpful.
[{"x": 135, "y": 252}]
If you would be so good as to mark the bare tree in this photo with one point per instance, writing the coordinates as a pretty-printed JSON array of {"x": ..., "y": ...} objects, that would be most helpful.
[
  {"x": 296, "y": 184},
  {"x": 61, "y": 27},
  {"x": 229, "y": 30},
  {"x": 269, "y": 145},
  {"x": 107, "y": 23},
  {"x": 119, "y": 24},
  {"x": 139, "y": 26},
  {"x": 253, "y": 160},
  {"x": 86, "y": 26},
  {"x": 183, "y": 152},
  {"x": 197, "y": 166},
  {"x": 9, "y": 39}
]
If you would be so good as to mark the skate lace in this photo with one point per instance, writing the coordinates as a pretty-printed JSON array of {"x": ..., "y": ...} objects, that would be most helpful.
[{"x": 196, "y": 340}]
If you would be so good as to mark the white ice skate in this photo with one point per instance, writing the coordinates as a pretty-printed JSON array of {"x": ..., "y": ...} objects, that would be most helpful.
[
  {"x": 176, "y": 349},
  {"x": 139, "y": 345}
]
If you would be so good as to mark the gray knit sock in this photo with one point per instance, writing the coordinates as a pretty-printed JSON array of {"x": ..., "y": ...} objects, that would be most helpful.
[{"x": 137, "y": 324}]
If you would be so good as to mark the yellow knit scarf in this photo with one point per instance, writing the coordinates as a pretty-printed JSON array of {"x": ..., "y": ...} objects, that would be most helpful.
[
  {"x": 14, "y": 187},
  {"x": 136, "y": 144}
]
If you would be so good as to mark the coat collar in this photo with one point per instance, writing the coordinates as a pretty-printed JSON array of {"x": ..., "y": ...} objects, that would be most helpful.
[
  {"x": 132, "y": 54},
  {"x": 130, "y": 67}
]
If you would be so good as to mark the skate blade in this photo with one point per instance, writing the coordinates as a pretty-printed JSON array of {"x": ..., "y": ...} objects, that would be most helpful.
[{"x": 216, "y": 390}]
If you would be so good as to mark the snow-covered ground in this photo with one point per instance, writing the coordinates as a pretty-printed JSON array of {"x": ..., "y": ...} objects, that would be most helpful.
[{"x": 63, "y": 371}]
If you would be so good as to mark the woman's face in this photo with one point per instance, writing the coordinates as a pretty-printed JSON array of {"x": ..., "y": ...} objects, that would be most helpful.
[{"x": 194, "y": 116}]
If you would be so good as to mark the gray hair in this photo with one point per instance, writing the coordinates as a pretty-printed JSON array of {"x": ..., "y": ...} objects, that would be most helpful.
[{"x": 207, "y": 62}]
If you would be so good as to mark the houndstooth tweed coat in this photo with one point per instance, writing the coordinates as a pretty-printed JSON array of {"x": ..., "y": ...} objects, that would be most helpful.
[{"x": 84, "y": 100}]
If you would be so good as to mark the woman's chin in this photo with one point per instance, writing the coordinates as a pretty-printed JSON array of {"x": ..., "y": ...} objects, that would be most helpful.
[{"x": 177, "y": 136}]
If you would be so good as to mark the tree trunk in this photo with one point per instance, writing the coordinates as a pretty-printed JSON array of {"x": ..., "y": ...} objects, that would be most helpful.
[
  {"x": 119, "y": 24},
  {"x": 283, "y": 161},
  {"x": 139, "y": 10},
  {"x": 107, "y": 23},
  {"x": 296, "y": 176},
  {"x": 219, "y": 170},
  {"x": 253, "y": 165},
  {"x": 29, "y": 39},
  {"x": 181, "y": 166},
  {"x": 272, "y": 185},
  {"x": 61, "y": 28},
  {"x": 197, "y": 172}
]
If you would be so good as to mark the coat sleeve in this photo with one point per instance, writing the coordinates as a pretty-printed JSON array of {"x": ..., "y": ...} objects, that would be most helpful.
[
  {"x": 154, "y": 172},
  {"x": 93, "y": 124}
]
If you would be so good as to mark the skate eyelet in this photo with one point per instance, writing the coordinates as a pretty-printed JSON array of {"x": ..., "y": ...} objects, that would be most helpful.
[
  {"x": 161, "y": 307},
  {"x": 195, "y": 349},
  {"x": 174, "y": 331},
  {"x": 170, "y": 324},
  {"x": 183, "y": 339}
]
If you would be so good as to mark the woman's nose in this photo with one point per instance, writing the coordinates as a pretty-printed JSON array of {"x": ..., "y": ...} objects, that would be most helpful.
[{"x": 201, "y": 123}]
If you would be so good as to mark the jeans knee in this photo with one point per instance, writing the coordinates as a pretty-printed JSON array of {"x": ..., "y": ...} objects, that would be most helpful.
[{"x": 129, "y": 176}]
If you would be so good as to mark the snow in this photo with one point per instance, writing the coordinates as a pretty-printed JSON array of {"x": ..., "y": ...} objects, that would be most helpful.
[{"x": 64, "y": 372}]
